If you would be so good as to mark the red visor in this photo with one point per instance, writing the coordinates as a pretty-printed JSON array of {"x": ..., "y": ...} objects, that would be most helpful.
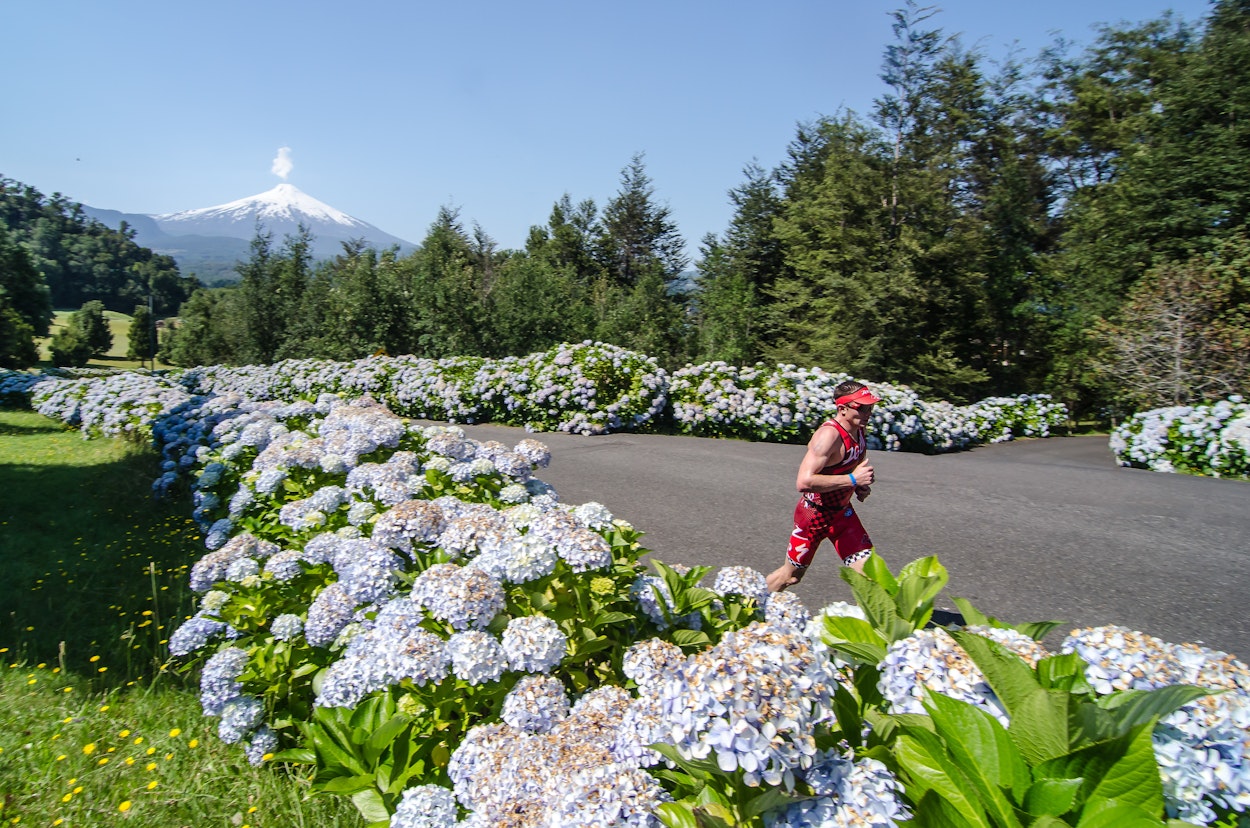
[{"x": 861, "y": 397}]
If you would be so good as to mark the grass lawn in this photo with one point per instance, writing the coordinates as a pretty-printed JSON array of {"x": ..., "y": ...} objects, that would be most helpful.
[
  {"x": 95, "y": 727},
  {"x": 119, "y": 325}
]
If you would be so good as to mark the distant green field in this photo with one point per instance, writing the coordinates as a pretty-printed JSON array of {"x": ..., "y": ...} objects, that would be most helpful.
[{"x": 119, "y": 324}]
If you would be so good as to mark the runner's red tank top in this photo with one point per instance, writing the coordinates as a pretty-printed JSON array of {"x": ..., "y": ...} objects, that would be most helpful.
[{"x": 855, "y": 448}]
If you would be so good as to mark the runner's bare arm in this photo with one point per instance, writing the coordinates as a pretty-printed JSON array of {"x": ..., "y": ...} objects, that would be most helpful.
[{"x": 825, "y": 449}]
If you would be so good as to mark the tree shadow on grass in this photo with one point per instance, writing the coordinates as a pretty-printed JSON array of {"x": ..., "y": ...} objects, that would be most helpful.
[
  {"x": 94, "y": 565},
  {"x": 18, "y": 429}
]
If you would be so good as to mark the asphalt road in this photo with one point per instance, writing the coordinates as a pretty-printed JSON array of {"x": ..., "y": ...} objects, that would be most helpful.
[{"x": 1030, "y": 530}]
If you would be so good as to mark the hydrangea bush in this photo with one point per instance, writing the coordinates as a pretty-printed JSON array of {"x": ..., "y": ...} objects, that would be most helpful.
[
  {"x": 1211, "y": 440},
  {"x": 786, "y": 403},
  {"x": 419, "y": 618},
  {"x": 582, "y": 388}
]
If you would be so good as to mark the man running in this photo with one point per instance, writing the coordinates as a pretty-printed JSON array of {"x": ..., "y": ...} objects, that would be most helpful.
[{"x": 834, "y": 468}]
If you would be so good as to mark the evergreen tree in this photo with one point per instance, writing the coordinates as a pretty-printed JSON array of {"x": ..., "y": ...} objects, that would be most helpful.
[
  {"x": 141, "y": 335},
  {"x": 642, "y": 257},
  {"x": 25, "y": 309},
  {"x": 209, "y": 330},
  {"x": 736, "y": 275},
  {"x": 93, "y": 327}
]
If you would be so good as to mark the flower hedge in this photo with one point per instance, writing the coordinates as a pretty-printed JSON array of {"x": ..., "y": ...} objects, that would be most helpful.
[
  {"x": 584, "y": 388},
  {"x": 1211, "y": 440},
  {"x": 418, "y": 618}
]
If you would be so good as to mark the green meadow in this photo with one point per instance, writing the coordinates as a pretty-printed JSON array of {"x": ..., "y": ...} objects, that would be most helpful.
[{"x": 97, "y": 727}]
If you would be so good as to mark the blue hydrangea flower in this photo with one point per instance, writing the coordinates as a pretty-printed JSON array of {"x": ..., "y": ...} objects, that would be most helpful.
[
  {"x": 410, "y": 522},
  {"x": 744, "y": 581},
  {"x": 287, "y": 626},
  {"x": 613, "y": 794},
  {"x": 264, "y": 742},
  {"x": 517, "y": 558},
  {"x": 535, "y": 704},
  {"x": 533, "y": 644},
  {"x": 648, "y": 663},
  {"x": 464, "y": 597},
  {"x": 328, "y": 614},
  {"x": 194, "y": 633},
  {"x": 425, "y": 806},
  {"x": 476, "y": 656},
  {"x": 239, "y": 717},
  {"x": 786, "y": 609},
  {"x": 219, "y": 679}
]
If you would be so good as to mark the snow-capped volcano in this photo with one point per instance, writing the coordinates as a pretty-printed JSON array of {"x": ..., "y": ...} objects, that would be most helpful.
[{"x": 279, "y": 211}]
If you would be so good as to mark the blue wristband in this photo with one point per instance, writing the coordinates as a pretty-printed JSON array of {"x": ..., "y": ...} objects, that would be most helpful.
[{"x": 853, "y": 483}]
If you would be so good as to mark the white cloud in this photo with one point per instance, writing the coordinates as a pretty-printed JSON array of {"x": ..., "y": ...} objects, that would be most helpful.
[{"x": 282, "y": 165}]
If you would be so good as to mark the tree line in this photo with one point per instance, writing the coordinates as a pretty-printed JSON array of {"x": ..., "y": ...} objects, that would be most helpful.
[{"x": 1073, "y": 223}]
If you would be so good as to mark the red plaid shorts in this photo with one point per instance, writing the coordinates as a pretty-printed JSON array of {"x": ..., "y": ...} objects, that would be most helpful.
[{"x": 813, "y": 524}]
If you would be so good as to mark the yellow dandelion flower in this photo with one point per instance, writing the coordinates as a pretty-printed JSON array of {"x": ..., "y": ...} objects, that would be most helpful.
[
  {"x": 123, "y": 734},
  {"x": 67, "y": 797},
  {"x": 89, "y": 748},
  {"x": 175, "y": 733},
  {"x": 94, "y": 659},
  {"x": 104, "y": 760},
  {"x": 125, "y": 806},
  {"x": 150, "y": 751},
  {"x": 130, "y": 760},
  {"x": 150, "y": 766},
  {"x": 168, "y": 756},
  {"x": 152, "y": 785},
  {"x": 61, "y": 758},
  {"x": 104, "y": 708},
  {"x": 67, "y": 690},
  {"x": 138, "y": 740},
  {"x": 67, "y": 720},
  {"x": 194, "y": 743}
]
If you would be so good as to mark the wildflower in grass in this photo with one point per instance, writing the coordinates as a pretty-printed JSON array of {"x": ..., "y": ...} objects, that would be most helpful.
[
  {"x": 533, "y": 644},
  {"x": 464, "y": 597},
  {"x": 476, "y": 656},
  {"x": 535, "y": 704},
  {"x": 425, "y": 806}
]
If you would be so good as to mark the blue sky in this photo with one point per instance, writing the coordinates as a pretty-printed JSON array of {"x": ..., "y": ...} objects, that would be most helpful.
[{"x": 391, "y": 110}]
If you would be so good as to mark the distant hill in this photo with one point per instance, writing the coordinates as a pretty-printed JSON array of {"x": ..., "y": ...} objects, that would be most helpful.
[{"x": 209, "y": 241}]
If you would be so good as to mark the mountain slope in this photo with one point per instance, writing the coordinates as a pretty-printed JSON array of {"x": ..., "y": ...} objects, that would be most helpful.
[{"x": 210, "y": 240}]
